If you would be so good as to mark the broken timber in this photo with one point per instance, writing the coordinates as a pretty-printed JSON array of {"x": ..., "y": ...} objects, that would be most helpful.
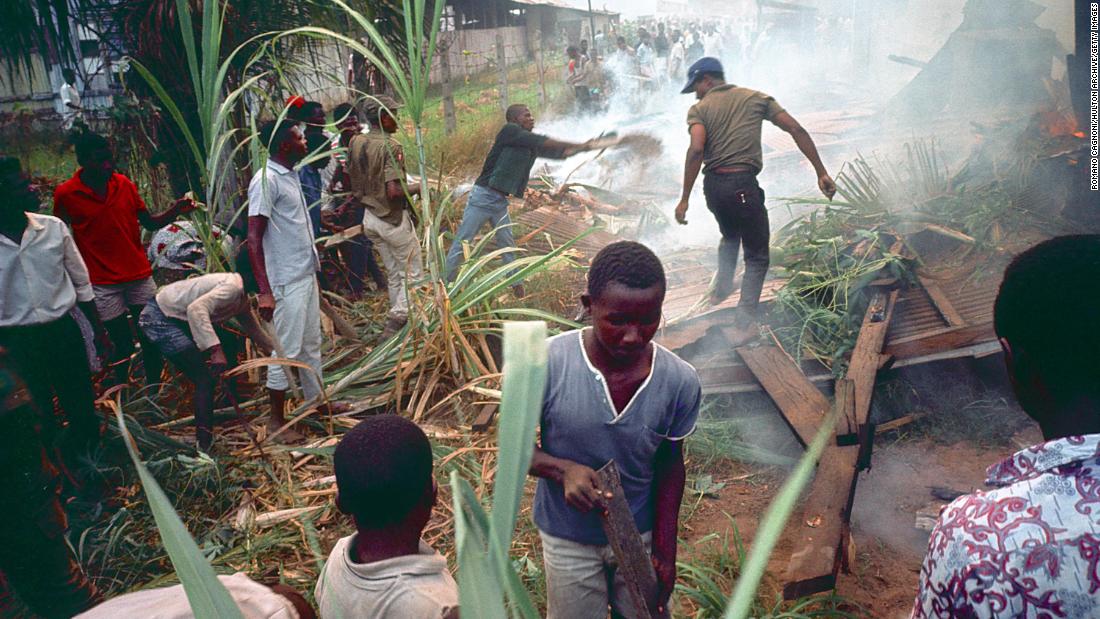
[
  {"x": 822, "y": 535},
  {"x": 800, "y": 403},
  {"x": 625, "y": 541},
  {"x": 484, "y": 419}
]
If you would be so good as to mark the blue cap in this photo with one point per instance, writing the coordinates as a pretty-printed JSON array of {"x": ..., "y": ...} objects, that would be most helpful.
[{"x": 706, "y": 64}]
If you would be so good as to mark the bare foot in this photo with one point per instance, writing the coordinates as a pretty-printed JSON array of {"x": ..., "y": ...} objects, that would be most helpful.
[{"x": 290, "y": 435}]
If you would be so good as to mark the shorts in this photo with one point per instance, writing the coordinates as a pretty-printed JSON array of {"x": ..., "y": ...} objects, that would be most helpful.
[
  {"x": 111, "y": 300},
  {"x": 169, "y": 335}
]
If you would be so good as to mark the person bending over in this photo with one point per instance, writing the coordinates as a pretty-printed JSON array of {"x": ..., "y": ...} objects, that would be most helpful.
[
  {"x": 385, "y": 570},
  {"x": 612, "y": 394},
  {"x": 254, "y": 600},
  {"x": 180, "y": 322},
  {"x": 1028, "y": 547}
]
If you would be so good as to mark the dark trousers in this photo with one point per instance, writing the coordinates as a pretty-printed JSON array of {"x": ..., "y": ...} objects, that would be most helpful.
[
  {"x": 737, "y": 202},
  {"x": 35, "y": 559},
  {"x": 52, "y": 361},
  {"x": 358, "y": 255}
]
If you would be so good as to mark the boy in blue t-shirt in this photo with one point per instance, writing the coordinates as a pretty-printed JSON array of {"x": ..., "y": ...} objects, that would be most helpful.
[{"x": 612, "y": 394}]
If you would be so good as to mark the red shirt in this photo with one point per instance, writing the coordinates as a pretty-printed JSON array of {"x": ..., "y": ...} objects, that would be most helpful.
[{"x": 107, "y": 232}]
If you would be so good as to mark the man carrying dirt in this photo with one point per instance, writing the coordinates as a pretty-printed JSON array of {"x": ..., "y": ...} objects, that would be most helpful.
[
  {"x": 1027, "y": 547},
  {"x": 725, "y": 136},
  {"x": 505, "y": 173},
  {"x": 376, "y": 166},
  {"x": 285, "y": 265},
  {"x": 106, "y": 215},
  {"x": 612, "y": 394}
]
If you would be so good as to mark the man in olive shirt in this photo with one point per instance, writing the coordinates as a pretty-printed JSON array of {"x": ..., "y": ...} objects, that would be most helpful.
[
  {"x": 376, "y": 166},
  {"x": 725, "y": 136},
  {"x": 505, "y": 173}
]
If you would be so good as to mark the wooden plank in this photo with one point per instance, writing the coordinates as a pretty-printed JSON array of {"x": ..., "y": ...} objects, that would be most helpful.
[
  {"x": 940, "y": 340},
  {"x": 867, "y": 353},
  {"x": 484, "y": 419},
  {"x": 802, "y": 406},
  {"x": 819, "y": 536},
  {"x": 847, "y": 428},
  {"x": 626, "y": 542},
  {"x": 942, "y": 304}
]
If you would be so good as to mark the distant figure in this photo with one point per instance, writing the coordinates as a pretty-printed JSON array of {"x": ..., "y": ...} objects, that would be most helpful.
[
  {"x": 254, "y": 600},
  {"x": 660, "y": 42},
  {"x": 1028, "y": 546},
  {"x": 612, "y": 394},
  {"x": 73, "y": 113},
  {"x": 505, "y": 173},
  {"x": 694, "y": 47},
  {"x": 385, "y": 570},
  {"x": 578, "y": 78},
  {"x": 725, "y": 136},
  {"x": 106, "y": 214},
  {"x": 677, "y": 55},
  {"x": 584, "y": 51}
]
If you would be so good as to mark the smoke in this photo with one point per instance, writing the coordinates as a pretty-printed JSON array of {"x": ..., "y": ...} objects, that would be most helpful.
[{"x": 830, "y": 69}]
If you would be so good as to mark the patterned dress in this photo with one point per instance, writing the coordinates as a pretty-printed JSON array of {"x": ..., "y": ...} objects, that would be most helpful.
[{"x": 1029, "y": 548}]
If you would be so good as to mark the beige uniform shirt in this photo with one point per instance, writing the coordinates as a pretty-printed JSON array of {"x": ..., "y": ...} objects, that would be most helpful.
[
  {"x": 375, "y": 159},
  {"x": 732, "y": 117},
  {"x": 211, "y": 299}
]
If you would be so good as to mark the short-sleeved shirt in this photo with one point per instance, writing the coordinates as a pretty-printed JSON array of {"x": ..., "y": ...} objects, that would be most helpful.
[
  {"x": 289, "y": 254},
  {"x": 106, "y": 230},
  {"x": 410, "y": 586},
  {"x": 732, "y": 117},
  {"x": 509, "y": 163},
  {"x": 579, "y": 423},
  {"x": 375, "y": 159}
]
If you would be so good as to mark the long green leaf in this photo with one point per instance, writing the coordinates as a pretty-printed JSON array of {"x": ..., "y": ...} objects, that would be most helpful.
[{"x": 207, "y": 596}]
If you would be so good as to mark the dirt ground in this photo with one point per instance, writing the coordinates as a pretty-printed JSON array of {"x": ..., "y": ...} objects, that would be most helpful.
[{"x": 889, "y": 547}]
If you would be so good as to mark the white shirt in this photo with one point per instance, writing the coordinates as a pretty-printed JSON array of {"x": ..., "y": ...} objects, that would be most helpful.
[
  {"x": 42, "y": 277},
  {"x": 69, "y": 94},
  {"x": 289, "y": 254},
  {"x": 676, "y": 54},
  {"x": 254, "y": 600},
  {"x": 402, "y": 587}
]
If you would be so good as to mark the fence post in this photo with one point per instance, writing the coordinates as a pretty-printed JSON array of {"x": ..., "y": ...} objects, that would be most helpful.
[
  {"x": 502, "y": 64},
  {"x": 541, "y": 69},
  {"x": 449, "y": 123}
]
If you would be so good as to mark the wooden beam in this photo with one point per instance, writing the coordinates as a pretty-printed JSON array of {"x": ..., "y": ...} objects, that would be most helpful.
[
  {"x": 867, "y": 353},
  {"x": 484, "y": 419},
  {"x": 847, "y": 428},
  {"x": 940, "y": 340},
  {"x": 802, "y": 406},
  {"x": 821, "y": 536},
  {"x": 625, "y": 541},
  {"x": 942, "y": 304}
]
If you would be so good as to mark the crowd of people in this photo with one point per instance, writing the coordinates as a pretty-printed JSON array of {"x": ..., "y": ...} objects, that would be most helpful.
[{"x": 77, "y": 289}]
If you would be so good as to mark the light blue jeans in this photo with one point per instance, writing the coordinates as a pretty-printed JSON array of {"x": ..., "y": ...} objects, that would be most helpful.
[{"x": 483, "y": 206}]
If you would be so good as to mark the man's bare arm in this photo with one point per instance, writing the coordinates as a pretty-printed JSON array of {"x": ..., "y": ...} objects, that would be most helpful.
[
  {"x": 257, "y": 226},
  {"x": 693, "y": 162},
  {"x": 581, "y": 484},
  {"x": 669, "y": 476},
  {"x": 805, "y": 143}
]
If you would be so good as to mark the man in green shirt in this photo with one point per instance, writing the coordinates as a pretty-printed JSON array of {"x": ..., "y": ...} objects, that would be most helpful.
[
  {"x": 505, "y": 173},
  {"x": 376, "y": 167},
  {"x": 725, "y": 136}
]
